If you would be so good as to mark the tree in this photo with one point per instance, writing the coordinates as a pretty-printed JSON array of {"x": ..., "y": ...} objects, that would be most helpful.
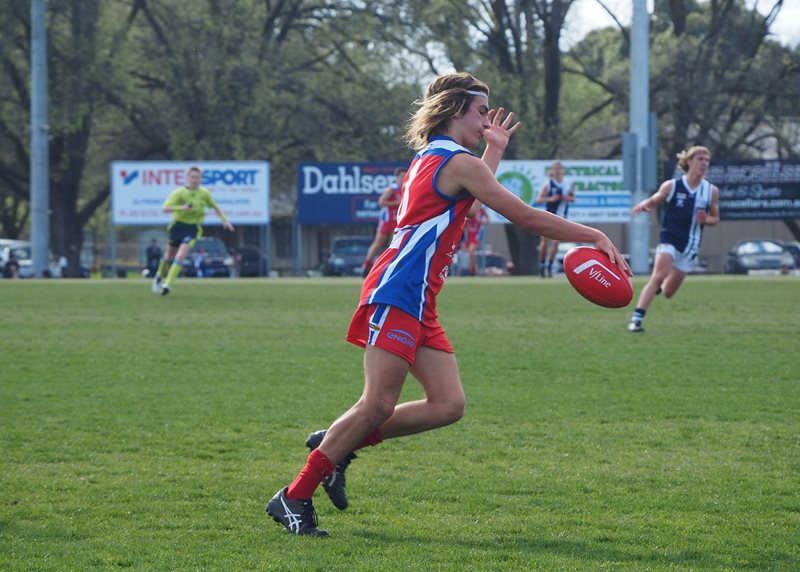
[
  {"x": 200, "y": 80},
  {"x": 716, "y": 77},
  {"x": 81, "y": 48}
]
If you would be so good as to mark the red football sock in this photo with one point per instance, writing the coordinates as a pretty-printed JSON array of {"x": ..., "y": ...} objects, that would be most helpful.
[
  {"x": 317, "y": 468},
  {"x": 371, "y": 440}
]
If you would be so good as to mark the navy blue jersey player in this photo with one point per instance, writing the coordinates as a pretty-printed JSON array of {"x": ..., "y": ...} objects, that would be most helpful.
[
  {"x": 691, "y": 203},
  {"x": 556, "y": 194}
]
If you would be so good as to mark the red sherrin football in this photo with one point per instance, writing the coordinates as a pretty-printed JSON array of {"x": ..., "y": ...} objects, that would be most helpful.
[{"x": 592, "y": 274}]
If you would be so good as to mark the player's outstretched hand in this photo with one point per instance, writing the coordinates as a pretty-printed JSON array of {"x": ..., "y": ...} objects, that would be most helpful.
[{"x": 500, "y": 130}]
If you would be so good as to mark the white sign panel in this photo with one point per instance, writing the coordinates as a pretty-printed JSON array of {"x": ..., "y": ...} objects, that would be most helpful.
[
  {"x": 139, "y": 188},
  {"x": 599, "y": 193}
]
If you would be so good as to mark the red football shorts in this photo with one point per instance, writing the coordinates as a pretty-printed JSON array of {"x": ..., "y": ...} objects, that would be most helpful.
[{"x": 393, "y": 330}]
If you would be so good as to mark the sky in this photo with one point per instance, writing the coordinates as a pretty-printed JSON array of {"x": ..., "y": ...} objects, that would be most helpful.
[{"x": 588, "y": 14}]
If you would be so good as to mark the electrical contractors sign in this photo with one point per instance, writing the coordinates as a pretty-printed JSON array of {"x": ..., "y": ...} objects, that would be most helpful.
[
  {"x": 139, "y": 189},
  {"x": 341, "y": 193},
  {"x": 600, "y": 196}
]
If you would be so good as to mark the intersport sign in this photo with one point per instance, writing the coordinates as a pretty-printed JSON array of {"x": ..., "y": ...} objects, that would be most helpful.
[{"x": 139, "y": 188}]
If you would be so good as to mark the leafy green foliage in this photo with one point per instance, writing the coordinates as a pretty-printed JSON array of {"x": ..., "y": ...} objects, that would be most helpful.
[{"x": 313, "y": 80}]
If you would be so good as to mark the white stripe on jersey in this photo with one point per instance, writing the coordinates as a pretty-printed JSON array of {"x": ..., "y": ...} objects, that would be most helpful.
[
  {"x": 403, "y": 206},
  {"x": 446, "y": 144},
  {"x": 671, "y": 191},
  {"x": 440, "y": 223},
  {"x": 696, "y": 230}
]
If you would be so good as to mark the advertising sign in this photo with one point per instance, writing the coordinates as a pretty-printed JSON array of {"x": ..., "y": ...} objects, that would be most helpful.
[
  {"x": 599, "y": 193},
  {"x": 750, "y": 190},
  {"x": 342, "y": 193},
  {"x": 139, "y": 188}
]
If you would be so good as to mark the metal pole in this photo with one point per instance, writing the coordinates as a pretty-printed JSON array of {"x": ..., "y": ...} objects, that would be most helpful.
[
  {"x": 298, "y": 246},
  {"x": 266, "y": 246},
  {"x": 40, "y": 194},
  {"x": 639, "y": 114},
  {"x": 112, "y": 232}
]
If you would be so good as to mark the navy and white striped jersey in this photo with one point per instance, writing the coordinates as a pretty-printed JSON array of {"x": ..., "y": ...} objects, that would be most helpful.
[
  {"x": 679, "y": 226},
  {"x": 561, "y": 207}
]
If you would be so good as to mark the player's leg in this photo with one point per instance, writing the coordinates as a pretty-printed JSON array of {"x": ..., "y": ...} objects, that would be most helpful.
[
  {"x": 672, "y": 282},
  {"x": 472, "y": 250},
  {"x": 163, "y": 266},
  {"x": 175, "y": 269},
  {"x": 551, "y": 258},
  {"x": 384, "y": 375},
  {"x": 334, "y": 484},
  {"x": 661, "y": 270},
  {"x": 444, "y": 403},
  {"x": 542, "y": 256}
]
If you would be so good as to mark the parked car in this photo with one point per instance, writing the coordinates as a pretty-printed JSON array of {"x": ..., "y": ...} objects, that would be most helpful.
[
  {"x": 794, "y": 250},
  {"x": 252, "y": 262},
  {"x": 493, "y": 264},
  {"x": 346, "y": 255},
  {"x": 759, "y": 255},
  {"x": 217, "y": 262},
  {"x": 487, "y": 263},
  {"x": 22, "y": 251}
]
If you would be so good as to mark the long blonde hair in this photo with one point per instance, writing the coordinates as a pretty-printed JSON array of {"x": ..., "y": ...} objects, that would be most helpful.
[
  {"x": 446, "y": 96},
  {"x": 684, "y": 156}
]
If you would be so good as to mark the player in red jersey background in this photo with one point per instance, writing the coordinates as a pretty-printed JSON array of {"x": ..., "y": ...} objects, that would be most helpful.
[
  {"x": 388, "y": 201},
  {"x": 473, "y": 235}
]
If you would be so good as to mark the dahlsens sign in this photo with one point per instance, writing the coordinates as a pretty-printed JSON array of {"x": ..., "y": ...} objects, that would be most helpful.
[{"x": 341, "y": 193}]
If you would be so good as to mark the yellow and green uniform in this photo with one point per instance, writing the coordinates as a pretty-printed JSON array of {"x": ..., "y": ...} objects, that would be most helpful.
[
  {"x": 199, "y": 198},
  {"x": 185, "y": 226}
]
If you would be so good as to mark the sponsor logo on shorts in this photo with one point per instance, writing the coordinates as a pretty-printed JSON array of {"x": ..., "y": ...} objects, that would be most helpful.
[{"x": 402, "y": 337}]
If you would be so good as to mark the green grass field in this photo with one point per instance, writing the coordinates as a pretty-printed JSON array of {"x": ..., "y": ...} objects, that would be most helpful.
[{"x": 147, "y": 433}]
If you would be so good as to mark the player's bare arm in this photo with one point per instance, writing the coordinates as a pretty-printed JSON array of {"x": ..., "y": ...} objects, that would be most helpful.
[
  {"x": 474, "y": 209},
  {"x": 653, "y": 200},
  {"x": 225, "y": 224},
  {"x": 710, "y": 217},
  {"x": 543, "y": 198},
  {"x": 466, "y": 172}
]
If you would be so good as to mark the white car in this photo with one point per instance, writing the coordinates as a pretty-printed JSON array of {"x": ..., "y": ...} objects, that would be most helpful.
[{"x": 22, "y": 250}]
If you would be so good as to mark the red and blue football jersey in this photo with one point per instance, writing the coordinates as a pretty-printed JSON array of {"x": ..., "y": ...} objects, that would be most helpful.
[
  {"x": 410, "y": 273},
  {"x": 389, "y": 214}
]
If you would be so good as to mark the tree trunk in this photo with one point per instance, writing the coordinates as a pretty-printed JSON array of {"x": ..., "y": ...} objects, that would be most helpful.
[{"x": 524, "y": 249}]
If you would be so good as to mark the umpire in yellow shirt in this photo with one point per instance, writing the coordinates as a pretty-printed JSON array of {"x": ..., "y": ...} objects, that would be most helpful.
[{"x": 188, "y": 207}]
